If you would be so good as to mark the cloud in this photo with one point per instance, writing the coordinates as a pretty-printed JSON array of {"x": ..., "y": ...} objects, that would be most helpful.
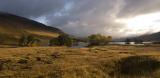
[
  {"x": 136, "y": 7},
  {"x": 34, "y": 8},
  {"x": 90, "y": 16},
  {"x": 82, "y": 17}
]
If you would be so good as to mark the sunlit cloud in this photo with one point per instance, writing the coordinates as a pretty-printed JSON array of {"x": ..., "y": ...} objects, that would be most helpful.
[
  {"x": 142, "y": 23},
  {"x": 41, "y": 19}
]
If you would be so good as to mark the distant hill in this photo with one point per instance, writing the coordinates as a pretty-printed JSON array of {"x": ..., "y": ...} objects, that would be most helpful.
[
  {"x": 155, "y": 37},
  {"x": 12, "y": 27}
]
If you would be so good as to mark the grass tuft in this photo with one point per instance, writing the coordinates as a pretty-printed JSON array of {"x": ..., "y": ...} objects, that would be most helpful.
[{"x": 137, "y": 66}]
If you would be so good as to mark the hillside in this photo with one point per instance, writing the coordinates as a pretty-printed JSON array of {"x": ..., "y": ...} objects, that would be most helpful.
[
  {"x": 12, "y": 27},
  {"x": 151, "y": 37}
]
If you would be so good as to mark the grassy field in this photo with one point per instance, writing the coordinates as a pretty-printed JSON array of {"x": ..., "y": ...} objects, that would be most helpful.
[{"x": 112, "y": 61}]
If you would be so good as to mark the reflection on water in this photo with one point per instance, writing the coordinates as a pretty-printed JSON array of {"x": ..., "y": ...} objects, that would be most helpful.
[{"x": 120, "y": 43}]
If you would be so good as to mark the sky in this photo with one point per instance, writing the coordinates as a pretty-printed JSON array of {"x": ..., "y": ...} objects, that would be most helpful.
[{"x": 117, "y": 18}]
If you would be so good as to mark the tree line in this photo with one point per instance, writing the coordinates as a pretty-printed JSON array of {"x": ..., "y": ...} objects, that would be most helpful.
[{"x": 65, "y": 40}]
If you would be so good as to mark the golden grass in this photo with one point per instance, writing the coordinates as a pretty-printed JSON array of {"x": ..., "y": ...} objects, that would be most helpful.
[
  {"x": 63, "y": 62},
  {"x": 44, "y": 33}
]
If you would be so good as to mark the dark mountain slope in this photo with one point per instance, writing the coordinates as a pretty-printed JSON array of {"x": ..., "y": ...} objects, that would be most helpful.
[
  {"x": 155, "y": 37},
  {"x": 12, "y": 27}
]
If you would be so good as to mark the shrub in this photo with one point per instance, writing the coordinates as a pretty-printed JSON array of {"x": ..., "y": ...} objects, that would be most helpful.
[{"x": 23, "y": 61}]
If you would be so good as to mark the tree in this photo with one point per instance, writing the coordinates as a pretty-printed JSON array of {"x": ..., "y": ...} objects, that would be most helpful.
[
  {"x": 138, "y": 41},
  {"x": 108, "y": 39},
  {"x": 34, "y": 42},
  {"x": 97, "y": 39},
  {"x": 1, "y": 40},
  {"x": 28, "y": 41},
  {"x": 62, "y": 40},
  {"x": 23, "y": 41},
  {"x": 54, "y": 41},
  {"x": 127, "y": 41}
]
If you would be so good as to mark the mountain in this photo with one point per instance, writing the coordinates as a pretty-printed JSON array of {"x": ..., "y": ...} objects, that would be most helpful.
[
  {"x": 155, "y": 37},
  {"x": 12, "y": 27}
]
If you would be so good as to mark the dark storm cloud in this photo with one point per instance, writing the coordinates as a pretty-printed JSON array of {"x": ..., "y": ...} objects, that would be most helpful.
[
  {"x": 88, "y": 17},
  {"x": 29, "y": 8},
  {"x": 81, "y": 17}
]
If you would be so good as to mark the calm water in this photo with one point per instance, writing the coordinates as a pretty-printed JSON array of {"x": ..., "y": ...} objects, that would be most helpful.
[
  {"x": 83, "y": 44},
  {"x": 131, "y": 43}
]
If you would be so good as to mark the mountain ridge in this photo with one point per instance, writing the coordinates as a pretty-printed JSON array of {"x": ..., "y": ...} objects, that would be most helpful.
[
  {"x": 12, "y": 27},
  {"x": 154, "y": 37}
]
